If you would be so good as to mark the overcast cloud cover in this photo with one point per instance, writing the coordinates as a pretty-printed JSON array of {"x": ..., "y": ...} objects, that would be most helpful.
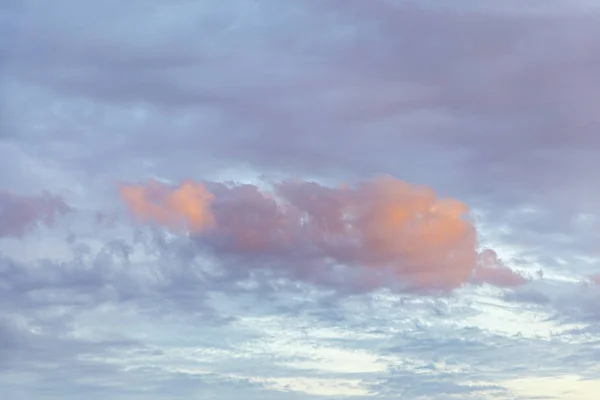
[{"x": 299, "y": 199}]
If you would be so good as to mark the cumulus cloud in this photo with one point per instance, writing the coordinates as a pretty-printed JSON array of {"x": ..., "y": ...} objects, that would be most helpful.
[
  {"x": 19, "y": 214},
  {"x": 386, "y": 227}
]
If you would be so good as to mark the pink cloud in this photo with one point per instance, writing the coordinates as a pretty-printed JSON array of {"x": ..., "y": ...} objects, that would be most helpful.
[
  {"x": 490, "y": 269},
  {"x": 384, "y": 228},
  {"x": 185, "y": 207},
  {"x": 19, "y": 214}
]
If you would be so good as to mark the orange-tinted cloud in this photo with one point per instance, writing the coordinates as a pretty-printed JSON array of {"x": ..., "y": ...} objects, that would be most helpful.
[
  {"x": 185, "y": 207},
  {"x": 385, "y": 227},
  {"x": 388, "y": 223},
  {"x": 19, "y": 214}
]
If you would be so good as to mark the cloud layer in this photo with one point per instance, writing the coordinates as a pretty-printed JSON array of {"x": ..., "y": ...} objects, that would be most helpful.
[{"x": 268, "y": 277}]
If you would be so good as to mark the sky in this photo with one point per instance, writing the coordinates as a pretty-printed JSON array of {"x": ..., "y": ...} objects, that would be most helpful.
[{"x": 299, "y": 200}]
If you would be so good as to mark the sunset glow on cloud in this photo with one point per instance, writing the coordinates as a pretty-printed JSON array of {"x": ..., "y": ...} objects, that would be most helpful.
[
  {"x": 187, "y": 207},
  {"x": 385, "y": 226},
  {"x": 299, "y": 200}
]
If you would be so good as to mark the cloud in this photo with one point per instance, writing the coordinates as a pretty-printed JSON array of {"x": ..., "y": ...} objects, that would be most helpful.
[
  {"x": 491, "y": 270},
  {"x": 385, "y": 227},
  {"x": 188, "y": 204},
  {"x": 453, "y": 98},
  {"x": 19, "y": 214}
]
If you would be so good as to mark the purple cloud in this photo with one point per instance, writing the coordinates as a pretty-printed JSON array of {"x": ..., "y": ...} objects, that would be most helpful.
[{"x": 20, "y": 214}]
